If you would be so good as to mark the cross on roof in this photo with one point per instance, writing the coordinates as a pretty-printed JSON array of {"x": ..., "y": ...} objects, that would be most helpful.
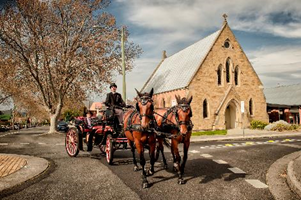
[{"x": 225, "y": 16}]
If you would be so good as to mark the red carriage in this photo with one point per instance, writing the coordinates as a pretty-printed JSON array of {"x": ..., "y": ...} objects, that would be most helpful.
[{"x": 104, "y": 133}]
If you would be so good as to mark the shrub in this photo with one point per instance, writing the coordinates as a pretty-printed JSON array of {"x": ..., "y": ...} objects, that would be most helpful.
[
  {"x": 281, "y": 126},
  {"x": 257, "y": 124}
]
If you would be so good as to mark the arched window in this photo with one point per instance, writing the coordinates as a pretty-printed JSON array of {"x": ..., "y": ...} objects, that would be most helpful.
[
  {"x": 205, "y": 109},
  {"x": 236, "y": 75},
  {"x": 251, "y": 106},
  {"x": 228, "y": 70},
  {"x": 219, "y": 75},
  {"x": 163, "y": 103},
  {"x": 227, "y": 44}
]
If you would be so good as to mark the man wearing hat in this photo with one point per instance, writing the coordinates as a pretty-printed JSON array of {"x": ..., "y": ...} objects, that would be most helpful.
[{"x": 115, "y": 100}]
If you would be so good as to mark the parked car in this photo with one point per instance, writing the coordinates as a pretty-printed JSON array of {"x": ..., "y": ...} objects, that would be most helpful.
[{"x": 62, "y": 126}]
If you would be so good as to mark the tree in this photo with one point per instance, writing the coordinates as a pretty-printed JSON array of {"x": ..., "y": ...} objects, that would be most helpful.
[{"x": 55, "y": 53}]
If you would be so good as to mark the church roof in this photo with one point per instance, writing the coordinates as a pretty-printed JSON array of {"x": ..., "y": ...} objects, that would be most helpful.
[
  {"x": 289, "y": 95},
  {"x": 177, "y": 71}
]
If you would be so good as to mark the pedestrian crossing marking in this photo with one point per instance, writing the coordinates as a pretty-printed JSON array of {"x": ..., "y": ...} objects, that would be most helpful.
[
  {"x": 249, "y": 143},
  {"x": 236, "y": 170},
  {"x": 256, "y": 183},
  {"x": 229, "y": 145},
  {"x": 206, "y": 155},
  {"x": 271, "y": 141},
  {"x": 222, "y": 162},
  {"x": 194, "y": 151}
]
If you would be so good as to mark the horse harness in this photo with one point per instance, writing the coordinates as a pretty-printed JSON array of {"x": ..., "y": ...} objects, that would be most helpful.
[{"x": 166, "y": 127}]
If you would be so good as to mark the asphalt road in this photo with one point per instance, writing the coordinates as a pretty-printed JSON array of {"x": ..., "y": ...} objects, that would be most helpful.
[{"x": 208, "y": 170}]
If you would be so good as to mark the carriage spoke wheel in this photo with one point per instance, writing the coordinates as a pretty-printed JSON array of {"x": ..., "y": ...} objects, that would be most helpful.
[
  {"x": 109, "y": 149},
  {"x": 72, "y": 142}
]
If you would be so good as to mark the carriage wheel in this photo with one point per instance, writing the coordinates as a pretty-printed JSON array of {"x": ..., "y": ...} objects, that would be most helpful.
[
  {"x": 109, "y": 149},
  {"x": 72, "y": 142}
]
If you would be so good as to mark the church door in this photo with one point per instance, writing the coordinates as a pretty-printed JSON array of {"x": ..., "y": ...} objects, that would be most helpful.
[{"x": 230, "y": 116}]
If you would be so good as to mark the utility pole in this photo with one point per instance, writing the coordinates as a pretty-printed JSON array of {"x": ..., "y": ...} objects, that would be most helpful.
[{"x": 123, "y": 65}]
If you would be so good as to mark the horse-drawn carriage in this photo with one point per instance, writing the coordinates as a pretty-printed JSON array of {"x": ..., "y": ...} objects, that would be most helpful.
[
  {"x": 104, "y": 132},
  {"x": 143, "y": 127}
]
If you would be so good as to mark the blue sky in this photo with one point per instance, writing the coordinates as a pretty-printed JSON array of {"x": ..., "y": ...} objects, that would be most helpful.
[{"x": 269, "y": 32}]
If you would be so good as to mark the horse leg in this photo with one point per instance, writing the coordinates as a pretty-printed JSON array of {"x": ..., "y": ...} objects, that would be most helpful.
[
  {"x": 140, "y": 150},
  {"x": 160, "y": 148},
  {"x": 177, "y": 160},
  {"x": 131, "y": 143},
  {"x": 152, "y": 148},
  {"x": 185, "y": 148}
]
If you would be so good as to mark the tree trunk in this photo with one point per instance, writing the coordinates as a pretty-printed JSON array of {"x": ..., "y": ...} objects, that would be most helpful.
[{"x": 53, "y": 119}]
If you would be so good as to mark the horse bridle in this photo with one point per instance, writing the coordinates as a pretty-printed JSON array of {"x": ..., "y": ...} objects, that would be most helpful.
[
  {"x": 144, "y": 100},
  {"x": 184, "y": 108}
]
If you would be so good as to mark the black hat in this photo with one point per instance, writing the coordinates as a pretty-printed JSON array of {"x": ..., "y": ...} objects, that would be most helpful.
[{"x": 113, "y": 85}]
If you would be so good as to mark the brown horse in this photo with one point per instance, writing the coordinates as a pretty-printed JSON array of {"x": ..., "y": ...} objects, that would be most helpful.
[
  {"x": 138, "y": 125},
  {"x": 176, "y": 121}
]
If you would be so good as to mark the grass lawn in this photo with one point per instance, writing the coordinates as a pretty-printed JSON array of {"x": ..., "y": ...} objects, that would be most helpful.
[{"x": 217, "y": 132}]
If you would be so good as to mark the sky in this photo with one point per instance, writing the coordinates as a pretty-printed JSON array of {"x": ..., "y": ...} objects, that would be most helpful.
[{"x": 269, "y": 32}]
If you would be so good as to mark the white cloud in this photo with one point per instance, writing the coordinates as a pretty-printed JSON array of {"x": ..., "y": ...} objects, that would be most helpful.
[{"x": 277, "y": 64}]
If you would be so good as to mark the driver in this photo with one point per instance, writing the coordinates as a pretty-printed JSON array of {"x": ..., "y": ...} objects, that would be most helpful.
[{"x": 115, "y": 100}]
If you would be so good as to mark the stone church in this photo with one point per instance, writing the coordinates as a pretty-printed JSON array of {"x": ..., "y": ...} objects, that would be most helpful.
[{"x": 227, "y": 92}]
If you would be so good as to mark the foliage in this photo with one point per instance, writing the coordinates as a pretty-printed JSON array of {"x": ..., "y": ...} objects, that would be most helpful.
[
  {"x": 5, "y": 117},
  {"x": 257, "y": 124},
  {"x": 216, "y": 132},
  {"x": 70, "y": 114},
  {"x": 51, "y": 51}
]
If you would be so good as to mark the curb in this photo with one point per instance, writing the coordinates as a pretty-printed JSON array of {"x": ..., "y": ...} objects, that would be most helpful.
[
  {"x": 34, "y": 167},
  {"x": 276, "y": 178},
  {"x": 292, "y": 180}
]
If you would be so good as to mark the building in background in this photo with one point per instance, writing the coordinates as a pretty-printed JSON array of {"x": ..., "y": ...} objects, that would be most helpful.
[
  {"x": 284, "y": 103},
  {"x": 227, "y": 92}
]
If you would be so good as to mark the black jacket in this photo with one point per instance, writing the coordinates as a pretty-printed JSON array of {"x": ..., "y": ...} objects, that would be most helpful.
[{"x": 114, "y": 100}]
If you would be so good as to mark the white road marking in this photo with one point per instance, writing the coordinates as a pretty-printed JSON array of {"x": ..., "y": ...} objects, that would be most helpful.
[
  {"x": 259, "y": 142},
  {"x": 236, "y": 170},
  {"x": 194, "y": 151},
  {"x": 3, "y": 144},
  {"x": 206, "y": 155},
  {"x": 60, "y": 144},
  {"x": 220, "y": 162},
  {"x": 24, "y": 143},
  {"x": 41, "y": 143},
  {"x": 256, "y": 183}
]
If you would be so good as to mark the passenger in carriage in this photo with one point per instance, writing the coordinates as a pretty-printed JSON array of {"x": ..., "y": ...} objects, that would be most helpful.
[
  {"x": 88, "y": 125},
  {"x": 115, "y": 101}
]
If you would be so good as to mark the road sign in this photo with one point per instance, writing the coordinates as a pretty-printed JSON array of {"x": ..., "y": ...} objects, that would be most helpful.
[{"x": 242, "y": 106}]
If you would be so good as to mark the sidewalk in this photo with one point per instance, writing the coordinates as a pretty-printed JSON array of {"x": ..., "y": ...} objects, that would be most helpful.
[
  {"x": 240, "y": 134},
  {"x": 16, "y": 169}
]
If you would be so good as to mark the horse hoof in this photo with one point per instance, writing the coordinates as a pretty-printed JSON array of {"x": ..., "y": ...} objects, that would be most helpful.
[
  {"x": 181, "y": 182},
  {"x": 145, "y": 185},
  {"x": 150, "y": 172},
  {"x": 136, "y": 168}
]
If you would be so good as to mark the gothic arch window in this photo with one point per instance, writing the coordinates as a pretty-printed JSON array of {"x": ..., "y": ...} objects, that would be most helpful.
[
  {"x": 236, "y": 75},
  {"x": 219, "y": 75},
  {"x": 251, "y": 106},
  {"x": 205, "y": 109},
  {"x": 228, "y": 70}
]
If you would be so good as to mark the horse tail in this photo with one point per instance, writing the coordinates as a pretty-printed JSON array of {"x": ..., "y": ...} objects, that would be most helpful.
[{"x": 167, "y": 143}]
